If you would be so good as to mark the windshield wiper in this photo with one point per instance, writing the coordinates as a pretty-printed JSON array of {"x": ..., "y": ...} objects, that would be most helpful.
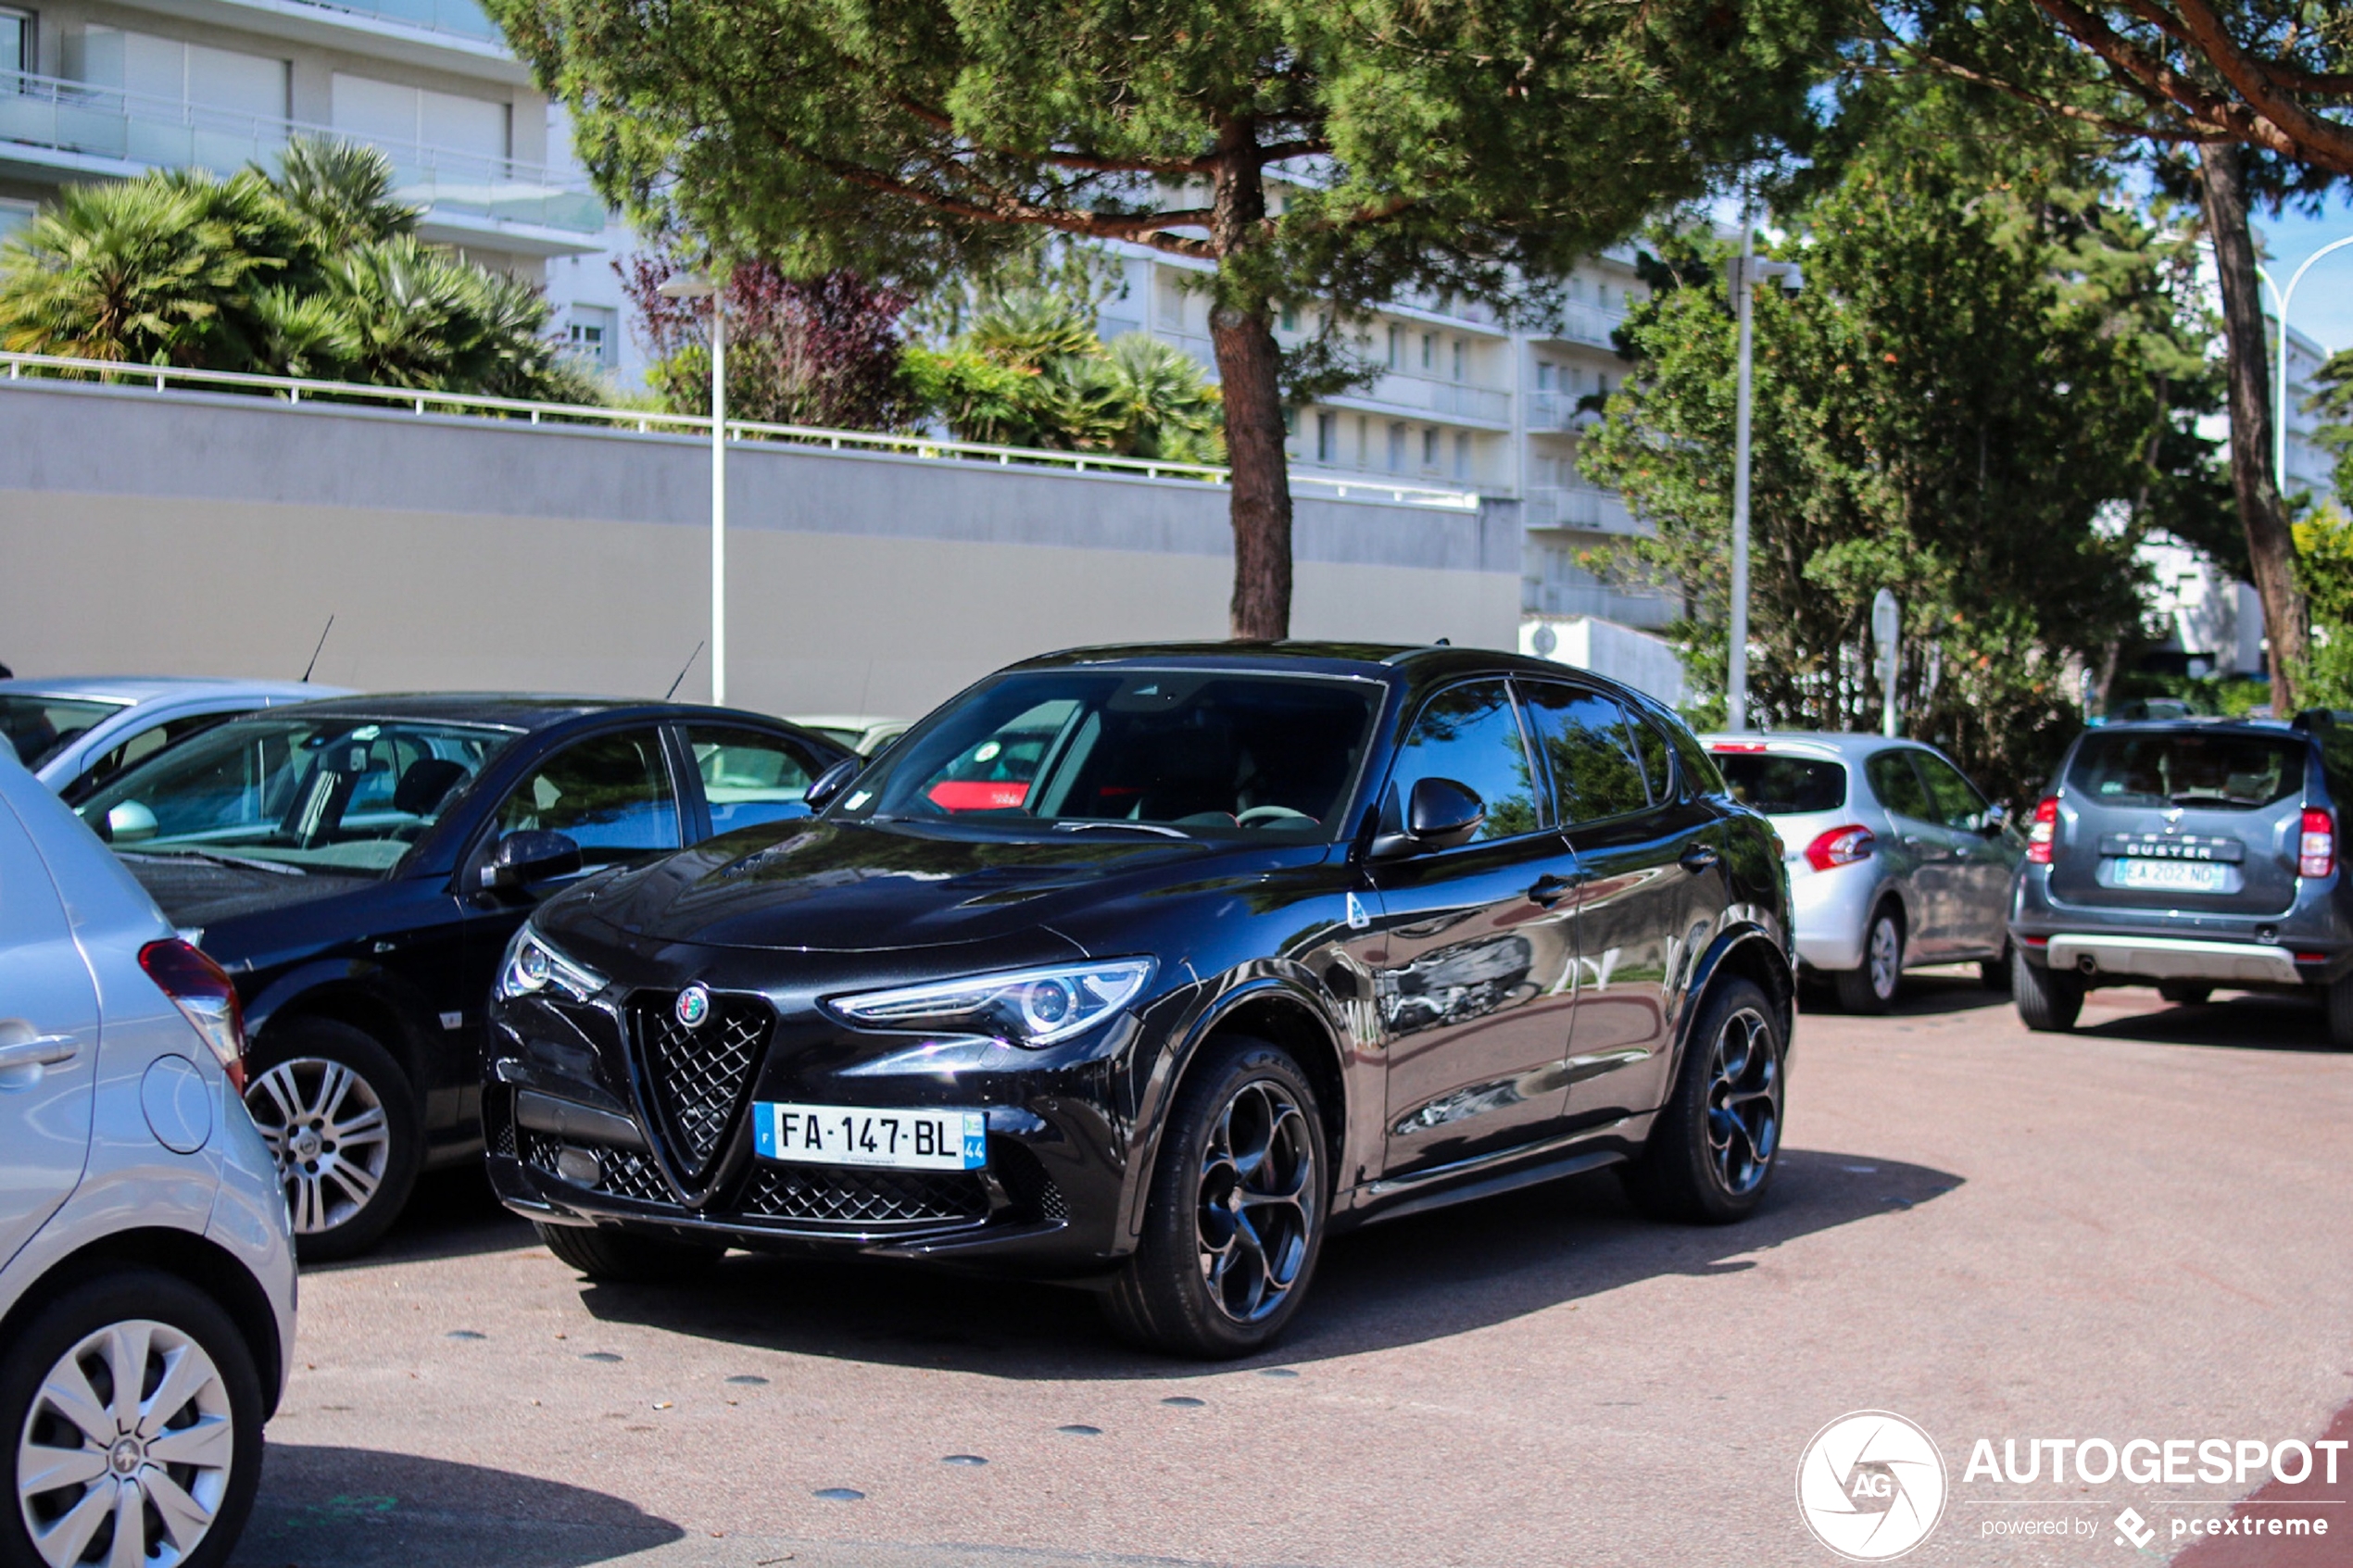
[
  {"x": 1090, "y": 823},
  {"x": 238, "y": 862}
]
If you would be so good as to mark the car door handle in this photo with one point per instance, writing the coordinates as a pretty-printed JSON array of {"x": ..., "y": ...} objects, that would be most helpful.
[
  {"x": 1550, "y": 890},
  {"x": 1699, "y": 856},
  {"x": 42, "y": 1050}
]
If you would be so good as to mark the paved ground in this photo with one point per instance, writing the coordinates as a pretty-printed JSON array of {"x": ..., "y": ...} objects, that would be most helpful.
[{"x": 2142, "y": 1230}]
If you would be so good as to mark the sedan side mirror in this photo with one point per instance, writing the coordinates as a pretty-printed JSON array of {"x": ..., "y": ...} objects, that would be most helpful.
[
  {"x": 1996, "y": 817},
  {"x": 1440, "y": 814},
  {"x": 832, "y": 781},
  {"x": 531, "y": 856}
]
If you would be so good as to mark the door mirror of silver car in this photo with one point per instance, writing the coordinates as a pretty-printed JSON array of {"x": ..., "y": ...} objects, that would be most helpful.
[
  {"x": 832, "y": 781},
  {"x": 1440, "y": 814},
  {"x": 532, "y": 855},
  {"x": 1996, "y": 817}
]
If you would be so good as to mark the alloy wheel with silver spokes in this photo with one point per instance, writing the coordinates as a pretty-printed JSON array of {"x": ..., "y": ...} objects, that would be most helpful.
[
  {"x": 127, "y": 1452},
  {"x": 327, "y": 1126},
  {"x": 1744, "y": 1102},
  {"x": 1886, "y": 960},
  {"x": 1256, "y": 1204}
]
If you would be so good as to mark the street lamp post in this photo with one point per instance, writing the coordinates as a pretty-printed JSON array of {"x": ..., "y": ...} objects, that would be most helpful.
[
  {"x": 2279, "y": 381},
  {"x": 691, "y": 287},
  {"x": 1747, "y": 272}
]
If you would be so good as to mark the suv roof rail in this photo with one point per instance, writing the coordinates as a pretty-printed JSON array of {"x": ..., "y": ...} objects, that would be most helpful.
[{"x": 2322, "y": 719}]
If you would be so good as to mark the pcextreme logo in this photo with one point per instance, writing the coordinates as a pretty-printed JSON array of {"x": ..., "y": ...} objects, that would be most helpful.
[{"x": 1870, "y": 1486}]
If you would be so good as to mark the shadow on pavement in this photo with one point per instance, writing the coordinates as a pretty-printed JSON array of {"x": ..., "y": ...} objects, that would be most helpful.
[
  {"x": 2241, "y": 1020},
  {"x": 1924, "y": 995},
  {"x": 1416, "y": 1279},
  {"x": 452, "y": 1214},
  {"x": 326, "y": 1507}
]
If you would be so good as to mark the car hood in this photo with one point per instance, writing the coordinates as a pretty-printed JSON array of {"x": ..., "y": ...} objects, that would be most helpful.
[
  {"x": 196, "y": 893},
  {"x": 821, "y": 886}
]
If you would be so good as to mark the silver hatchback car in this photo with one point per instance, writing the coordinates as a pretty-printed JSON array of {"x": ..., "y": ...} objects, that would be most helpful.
[
  {"x": 147, "y": 1264},
  {"x": 1896, "y": 860}
]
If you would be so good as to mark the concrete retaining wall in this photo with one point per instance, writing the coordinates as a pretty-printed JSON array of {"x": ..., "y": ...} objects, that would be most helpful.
[{"x": 199, "y": 534}]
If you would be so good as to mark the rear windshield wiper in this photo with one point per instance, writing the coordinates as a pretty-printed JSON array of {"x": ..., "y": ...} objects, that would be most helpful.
[
  {"x": 238, "y": 862},
  {"x": 1088, "y": 824}
]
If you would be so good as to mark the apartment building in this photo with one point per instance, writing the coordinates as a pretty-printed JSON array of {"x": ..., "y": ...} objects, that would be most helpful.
[
  {"x": 1460, "y": 400},
  {"x": 91, "y": 89}
]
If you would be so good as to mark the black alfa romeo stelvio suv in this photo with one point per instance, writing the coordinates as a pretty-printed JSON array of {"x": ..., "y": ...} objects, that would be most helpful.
[{"x": 1143, "y": 968}]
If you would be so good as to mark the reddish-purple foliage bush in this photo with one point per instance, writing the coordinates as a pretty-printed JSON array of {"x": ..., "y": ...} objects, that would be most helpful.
[{"x": 817, "y": 351}]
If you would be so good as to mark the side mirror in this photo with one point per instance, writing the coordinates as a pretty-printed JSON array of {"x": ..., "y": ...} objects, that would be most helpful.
[
  {"x": 832, "y": 781},
  {"x": 524, "y": 858},
  {"x": 1997, "y": 817},
  {"x": 130, "y": 823},
  {"x": 1441, "y": 814}
]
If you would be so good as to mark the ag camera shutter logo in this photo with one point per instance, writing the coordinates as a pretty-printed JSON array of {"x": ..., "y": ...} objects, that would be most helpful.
[{"x": 1870, "y": 1486}]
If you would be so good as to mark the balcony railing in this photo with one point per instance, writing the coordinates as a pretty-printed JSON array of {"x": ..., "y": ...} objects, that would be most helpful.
[
  {"x": 1577, "y": 506},
  {"x": 78, "y": 116},
  {"x": 1428, "y": 395},
  {"x": 573, "y": 417},
  {"x": 1581, "y": 322},
  {"x": 462, "y": 17},
  {"x": 1558, "y": 411}
]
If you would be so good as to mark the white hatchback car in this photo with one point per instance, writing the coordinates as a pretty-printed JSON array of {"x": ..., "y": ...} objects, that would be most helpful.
[
  {"x": 1896, "y": 860},
  {"x": 147, "y": 1264}
]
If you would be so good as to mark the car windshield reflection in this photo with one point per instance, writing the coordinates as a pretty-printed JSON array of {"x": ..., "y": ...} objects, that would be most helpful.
[{"x": 1160, "y": 753}]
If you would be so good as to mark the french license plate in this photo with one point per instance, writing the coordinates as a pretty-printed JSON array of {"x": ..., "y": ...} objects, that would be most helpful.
[
  {"x": 856, "y": 1134},
  {"x": 2186, "y": 876}
]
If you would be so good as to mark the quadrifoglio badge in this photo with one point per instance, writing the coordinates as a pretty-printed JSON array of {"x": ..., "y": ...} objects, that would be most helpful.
[{"x": 1872, "y": 1484}]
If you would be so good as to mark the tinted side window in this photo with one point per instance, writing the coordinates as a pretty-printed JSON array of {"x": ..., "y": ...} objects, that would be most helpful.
[
  {"x": 1469, "y": 733},
  {"x": 138, "y": 748},
  {"x": 1899, "y": 788},
  {"x": 1657, "y": 771},
  {"x": 1582, "y": 734},
  {"x": 610, "y": 793},
  {"x": 1957, "y": 803},
  {"x": 748, "y": 777}
]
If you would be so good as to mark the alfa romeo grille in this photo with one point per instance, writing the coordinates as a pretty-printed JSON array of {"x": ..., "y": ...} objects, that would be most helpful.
[
  {"x": 845, "y": 1195},
  {"x": 698, "y": 1078}
]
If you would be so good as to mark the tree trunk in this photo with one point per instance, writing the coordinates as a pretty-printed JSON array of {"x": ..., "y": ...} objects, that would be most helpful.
[
  {"x": 2271, "y": 549},
  {"x": 1249, "y": 372}
]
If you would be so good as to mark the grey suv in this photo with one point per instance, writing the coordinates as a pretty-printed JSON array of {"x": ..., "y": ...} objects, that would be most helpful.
[{"x": 2195, "y": 855}]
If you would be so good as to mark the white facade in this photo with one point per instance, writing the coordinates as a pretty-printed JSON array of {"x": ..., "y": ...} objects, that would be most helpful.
[
  {"x": 2310, "y": 465},
  {"x": 91, "y": 89}
]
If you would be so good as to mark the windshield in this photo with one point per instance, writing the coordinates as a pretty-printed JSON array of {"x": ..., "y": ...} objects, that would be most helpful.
[
  {"x": 1784, "y": 786},
  {"x": 1182, "y": 753},
  {"x": 340, "y": 794},
  {"x": 40, "y": 727},
  {"x": 2188, "y": 768}
]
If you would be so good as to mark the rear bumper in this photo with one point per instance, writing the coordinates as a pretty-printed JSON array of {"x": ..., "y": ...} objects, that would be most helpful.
[
  {"x": 1831, "y": 908},
  {"x": 2174, "y": 958}
]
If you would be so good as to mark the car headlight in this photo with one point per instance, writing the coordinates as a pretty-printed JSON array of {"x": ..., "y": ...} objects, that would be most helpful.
[
  {"x": 532, "y": 966},
  {"x": 1029, "y": 1007}
]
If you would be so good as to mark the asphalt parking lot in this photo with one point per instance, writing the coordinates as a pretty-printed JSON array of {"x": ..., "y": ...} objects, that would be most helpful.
[{"x": 2141, "y": 1230}]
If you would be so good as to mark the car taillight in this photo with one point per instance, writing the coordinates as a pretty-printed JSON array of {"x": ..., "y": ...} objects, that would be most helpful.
[
  {"x": 2042, "y": 839},
  {"x": 200, "y": 989},
  {"x": 1840, "y": 846},
  {"x": 2316, "y": 845}
]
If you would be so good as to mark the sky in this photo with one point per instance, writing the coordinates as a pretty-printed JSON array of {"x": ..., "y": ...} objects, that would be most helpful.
[{"x": 2323, "y": 303}]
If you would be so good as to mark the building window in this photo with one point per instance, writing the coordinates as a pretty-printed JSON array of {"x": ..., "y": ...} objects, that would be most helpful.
[
  {"x": 1396, "y": 347},
  {"x": 1168, "y": 298},
  {"x": 1461, "y": 357},
  {"x": 1462, "y": 454},
  {"x": 394, "y": 117},
  {"x": 1290, "y": 318},
  {"x": 1291, "y": 422},
  {"x": 1396, "y": 448},
  {"x": 1543, "y": 375},
  {"x": 17, "y": 52},
  {"x": 1364, "y": 441},
  {"x": 591, "y": 334},
  {"x": 1429, "y": 450},
  {"x": 1327, "y": 438},
  {"x": 179, "y": 72},
  {"x": 15, "y": 215}
]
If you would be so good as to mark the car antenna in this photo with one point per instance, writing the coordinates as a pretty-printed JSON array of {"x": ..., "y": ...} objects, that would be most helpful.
[
  {"x": 682, "y": 672},
  {"x": 314, "y": 652}
]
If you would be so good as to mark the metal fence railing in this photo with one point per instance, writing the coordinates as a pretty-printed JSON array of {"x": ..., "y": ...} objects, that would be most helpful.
[{"x": 293, "y": 389}]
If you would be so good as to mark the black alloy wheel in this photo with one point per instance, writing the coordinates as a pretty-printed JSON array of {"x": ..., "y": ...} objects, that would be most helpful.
[
  {"x": 1715, "y": 1143},
  {"x": 1237, "y": 1210}
]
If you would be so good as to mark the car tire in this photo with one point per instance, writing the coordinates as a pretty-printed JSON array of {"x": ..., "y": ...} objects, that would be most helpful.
[
  {"x": 1715, "y": 1143},
  {"x": 1993, "y": 974},
  {"x": 1872, "y": 988},
  {"x": 340, "y": 1115},
  {"x": 626, "y": 1258},
  {"x": 204, "y": 1453},
  {"x": 2185, "y": 993},
  {"x": 2339, "y": 1000},
  {"x": 1227, "y": 1253},
  {"x": 2048, "y": 999}
]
